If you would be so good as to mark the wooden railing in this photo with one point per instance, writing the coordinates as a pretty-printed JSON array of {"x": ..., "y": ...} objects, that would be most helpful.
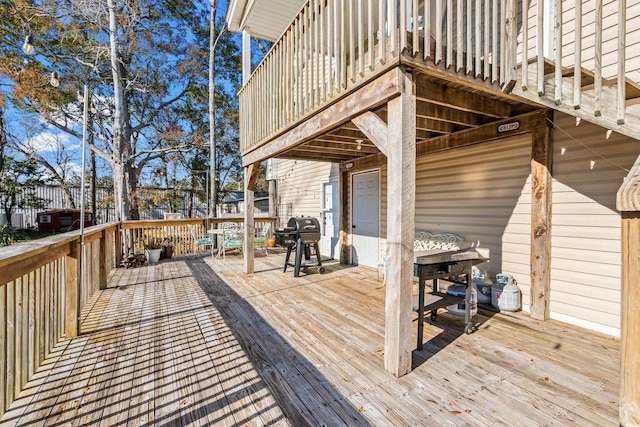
[
  {"x": 45, "y": 284},
  {"x": 579, "y": 57},
  {"x": 576, "y": 60},
  {"x": 41, "y": 297},
  {"x": 334, "y": 46},
  {"x": 178, "y": 231}
]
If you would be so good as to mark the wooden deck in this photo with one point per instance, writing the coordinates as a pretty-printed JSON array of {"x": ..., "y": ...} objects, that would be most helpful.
[{"x": 194, "y": 341}]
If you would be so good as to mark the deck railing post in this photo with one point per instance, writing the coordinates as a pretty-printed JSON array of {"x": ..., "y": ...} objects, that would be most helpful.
[{"x": 72, "y": 283}]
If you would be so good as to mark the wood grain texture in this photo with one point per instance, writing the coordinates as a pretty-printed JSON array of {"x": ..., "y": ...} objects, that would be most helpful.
[
  {"x": 401, "y": 180},
  {"x": 630, "y": 332},
  {"x": 368, "y": 97},
  {"x": 195, "y": 341},
  {"x": 541, "y": 194}
]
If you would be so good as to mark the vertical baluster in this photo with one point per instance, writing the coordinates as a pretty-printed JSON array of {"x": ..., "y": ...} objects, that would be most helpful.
[
  {"x": 487, "y": 40},
  {"x": 478, "y": 39},
  {"x": 427, "y": 29},
  {"x": 469, "y": 40},
  {"x": 622, "y": 31},
  {"x": 361, "y": 25},
  {"x": 330, "y": 46},
  {"x": 403, "y": 25},
  {"x": 449, "y": 14},
  {"x": 297, "y": 42},
  {"x": 503, "y": 35},
  {"x": 557, "y": 33},
  {"x": 415, "y": 28},
  {"x": 540, "y": 47},
  {"x": 324, "y": 53},
  {"x": 371, "y": 34},
  {"x": 343, "y": 43},
  {"x": 382, "y": 31},
  {"x": 438, "y": 31},
  {"x": 393, "y": 26},
  {"x": 338, "y": 42},
  {"x": 525, "y": 44},
  {"x": 577, "y": 57},
  {"x": 317, "y": 54},
  {"x": 459, "y": 35},
  {"x": 598, "y": 61},
  {"x": 352, "y": 40}
]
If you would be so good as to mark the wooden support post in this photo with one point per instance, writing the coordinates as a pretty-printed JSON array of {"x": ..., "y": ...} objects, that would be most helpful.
[
  {"x": 102, "y": 279},
  {"x": 250, "y": 177},
  {"x": 400, "y": 228},
  {"x": 628, "y": 203},
  {"x": 541, "y": 162},
  {"x": 71, "y": 290},
  {"x": 344, "y": 219}
]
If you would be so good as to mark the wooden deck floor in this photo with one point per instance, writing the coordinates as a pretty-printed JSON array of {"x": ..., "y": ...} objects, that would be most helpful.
[{"x": 194, "y": 341}]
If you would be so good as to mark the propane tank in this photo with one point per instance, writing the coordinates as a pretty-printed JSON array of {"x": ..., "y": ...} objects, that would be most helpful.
[
  {"x": 505, "y": 293},
  {"x": 459, "y": 309},
  {"x": 482, "y": 285}
]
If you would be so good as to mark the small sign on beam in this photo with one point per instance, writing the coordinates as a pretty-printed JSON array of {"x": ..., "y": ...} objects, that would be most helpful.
[{"x": 508, "y": 127}]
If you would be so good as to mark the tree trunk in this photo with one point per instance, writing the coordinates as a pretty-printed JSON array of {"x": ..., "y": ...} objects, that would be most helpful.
[{"x": 124, "y": 180}]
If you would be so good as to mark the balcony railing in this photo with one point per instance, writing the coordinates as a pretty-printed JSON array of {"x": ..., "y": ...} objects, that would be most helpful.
[
  {"x": 574, "y": 55},
  {"x": 334, "y": 46}
]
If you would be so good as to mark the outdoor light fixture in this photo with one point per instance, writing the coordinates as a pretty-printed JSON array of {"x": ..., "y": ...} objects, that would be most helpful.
[
  {"x": 27, "y": 47},
  {"x": 359, "y": 146},
  {"x": 55, "y": 79},
  {"x": 80, "y": 96}
]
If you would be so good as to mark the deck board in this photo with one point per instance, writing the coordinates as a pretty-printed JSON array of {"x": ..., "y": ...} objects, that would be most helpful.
[{"x": 194, "y": 341}]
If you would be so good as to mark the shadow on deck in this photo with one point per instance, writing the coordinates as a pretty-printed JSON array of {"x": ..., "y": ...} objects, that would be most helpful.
[{"x": 195, "y": 341}]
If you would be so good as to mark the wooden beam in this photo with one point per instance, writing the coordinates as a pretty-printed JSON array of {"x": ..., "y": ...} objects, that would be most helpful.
[
  {"x": 344, "y": 217},
  {"x": 449, "y": 96},
  {"x": 630, "y": 331},
  {"x": 316, "y": 157},
  {"x": 401, "y": 190},
  {"x": 541, "y": 166},
  {"x": 366, "y": 98},
  {"x": 628, "y": 202},
  {"x": 364, "y": 162},
  {"x": 491, "y": 131},
  {"x": 250, "y": 178},
  {"x": 440, "y": 112},
  {"x": 338, "y": 149},
  {"x": 374, "y": 128}
]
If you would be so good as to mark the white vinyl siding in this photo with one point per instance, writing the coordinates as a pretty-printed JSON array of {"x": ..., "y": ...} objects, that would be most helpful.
[
  {"x": 482, "y": 193},
  {"x": 586, "y": 259},
  {"x": 299, "y": 190}
]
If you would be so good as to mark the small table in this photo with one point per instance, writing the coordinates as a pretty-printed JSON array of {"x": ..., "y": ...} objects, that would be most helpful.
[
  {"x": 437, "y": 265},
  {"x": 217, "y": 232}
]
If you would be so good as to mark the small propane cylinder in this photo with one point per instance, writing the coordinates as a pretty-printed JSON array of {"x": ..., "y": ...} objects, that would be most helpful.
[
  {"x": 459, "y": 309},
  {"x": 482, "y": 284},
  {"x": 505, "y": 293}
]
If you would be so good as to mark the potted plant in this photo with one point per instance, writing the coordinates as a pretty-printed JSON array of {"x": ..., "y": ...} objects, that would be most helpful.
[
  {"x": 167, "y": 248},
  {"x": 153, "y": 247}
]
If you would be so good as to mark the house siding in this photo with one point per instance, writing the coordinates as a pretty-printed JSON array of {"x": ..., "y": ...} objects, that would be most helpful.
[
  {"x": 588, "y": 169},
  {"x": 482, "y": 193},
  {"x": 299, "y": 190}
]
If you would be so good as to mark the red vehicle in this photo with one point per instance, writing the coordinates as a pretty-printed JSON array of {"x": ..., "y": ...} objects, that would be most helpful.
[{"x": 61, "y": 220}]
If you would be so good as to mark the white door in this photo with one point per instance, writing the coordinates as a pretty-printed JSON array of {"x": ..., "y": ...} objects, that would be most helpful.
[
  {"x": 330, "y": 220},
  {"x": 365, "y": 219}
]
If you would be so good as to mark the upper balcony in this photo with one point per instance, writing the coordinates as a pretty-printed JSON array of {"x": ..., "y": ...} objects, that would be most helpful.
[{"x": 584, "y": 64}]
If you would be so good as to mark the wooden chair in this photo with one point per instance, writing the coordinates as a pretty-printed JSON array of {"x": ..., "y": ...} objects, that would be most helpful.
[
  {"x": 232, "y": 237},
  {"x": 200, "y": 241}
]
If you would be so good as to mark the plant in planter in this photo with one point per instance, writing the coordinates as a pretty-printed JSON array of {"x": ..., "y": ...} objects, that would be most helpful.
[
  {"x": 167, "y": 248},
  {"x": 153, "y": 247}
]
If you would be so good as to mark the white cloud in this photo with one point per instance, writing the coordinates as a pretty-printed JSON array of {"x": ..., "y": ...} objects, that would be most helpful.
[{"x": 48, "y": 141}]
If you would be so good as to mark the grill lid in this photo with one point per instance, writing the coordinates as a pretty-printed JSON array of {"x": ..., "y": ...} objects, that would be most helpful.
[{"x": 304, "y": 224}]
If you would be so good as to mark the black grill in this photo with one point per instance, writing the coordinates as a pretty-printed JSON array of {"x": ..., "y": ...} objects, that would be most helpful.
[{"x": 301, "y": 234}]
